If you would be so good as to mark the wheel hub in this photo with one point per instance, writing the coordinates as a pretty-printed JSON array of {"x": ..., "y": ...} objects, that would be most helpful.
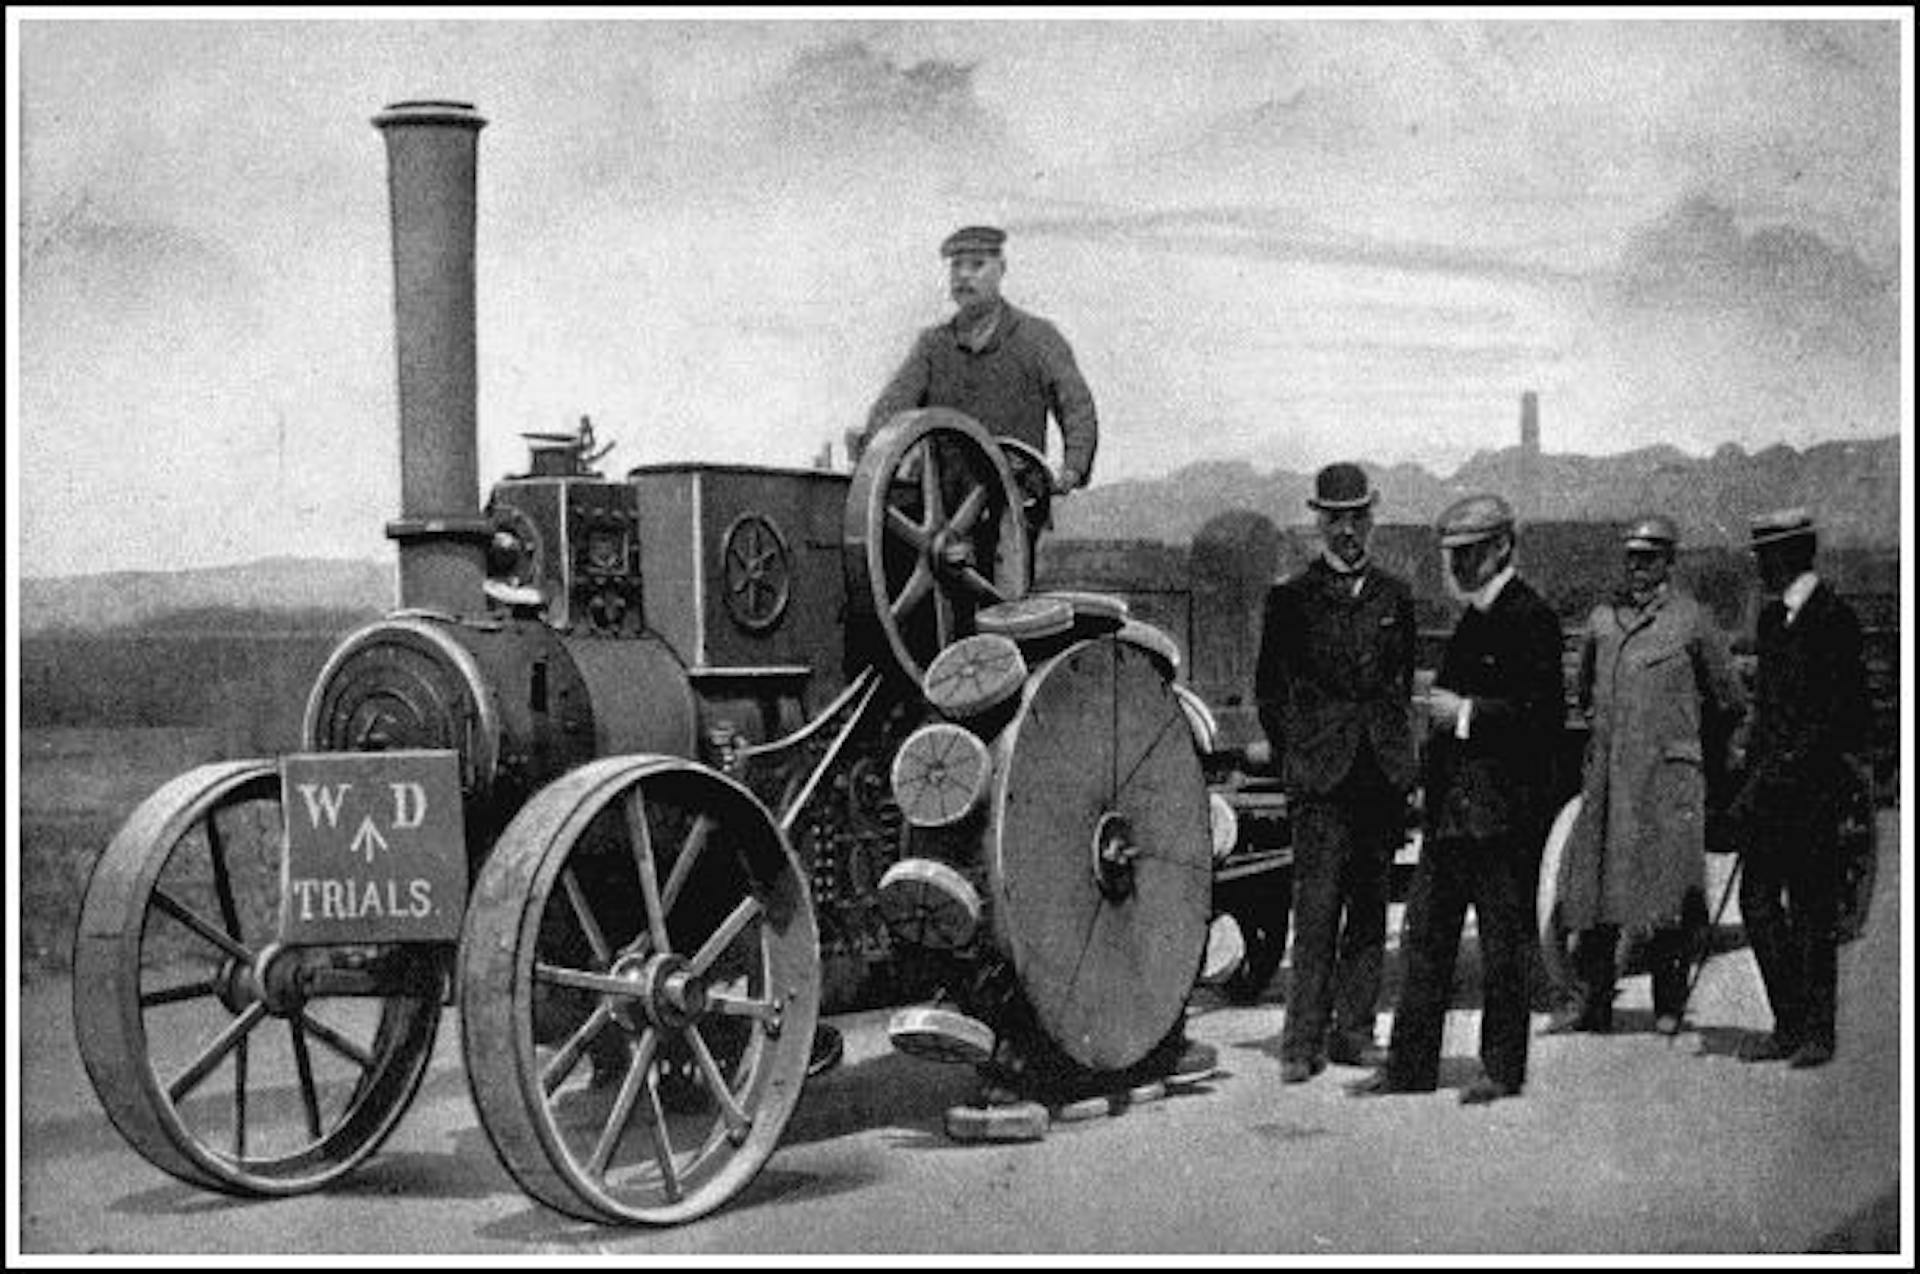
[
  {"x": 670, "y": 994},
  {"x": 1113, "y": 855}
]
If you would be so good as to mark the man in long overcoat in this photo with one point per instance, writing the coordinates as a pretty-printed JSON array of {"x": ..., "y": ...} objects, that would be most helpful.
[
  {"x": 1334, "y": 685},
  {"x": 1657, "y": 685},
  {"x": 1810, "y": 719}
]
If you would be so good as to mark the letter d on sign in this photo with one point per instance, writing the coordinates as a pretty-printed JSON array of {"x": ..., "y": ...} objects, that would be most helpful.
[{"x": 409, "y": 804}]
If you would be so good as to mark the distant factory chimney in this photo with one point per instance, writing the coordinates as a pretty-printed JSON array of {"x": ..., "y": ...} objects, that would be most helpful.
[{"x": 1527, "y": 502}]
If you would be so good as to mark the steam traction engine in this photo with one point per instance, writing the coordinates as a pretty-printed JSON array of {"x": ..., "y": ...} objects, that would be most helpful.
[{"x": 641, "y": 773}]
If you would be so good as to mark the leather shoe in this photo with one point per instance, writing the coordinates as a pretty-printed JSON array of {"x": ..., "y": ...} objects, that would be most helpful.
[
  {"x": 1568, "y": 1021},
  {"x": 1482, "y": 1091},
  {"x": 1812, "y": 1053},
  {"x": 1298, "y": 1070},
  {"x": 1768, "y": 1048},
  {"x": 1381, "y": 1084},
  {"x": 1346, "y": 1052}
]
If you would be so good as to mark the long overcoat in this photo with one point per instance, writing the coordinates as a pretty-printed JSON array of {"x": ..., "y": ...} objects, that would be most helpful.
[{"x": 1659, "y": 686}]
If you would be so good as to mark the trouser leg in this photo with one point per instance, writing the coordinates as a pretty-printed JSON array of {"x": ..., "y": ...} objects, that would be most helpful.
[
  {"x": 1770, "y": 935},
  {"x": 1320, "y": 847},
  {"x": 1430, "y": 943},
  {"x": 1667, "y": 961},
  {"x": 1593, "y": 959},
  {"x": 1813, "y": 900},
  {"x": 1501, "y": 908},
  {"x": 1377, "y": 820}
]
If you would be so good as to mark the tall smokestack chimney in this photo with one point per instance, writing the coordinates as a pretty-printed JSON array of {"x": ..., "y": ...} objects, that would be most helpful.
[
  {"x": 1529, "y": 501},
  {"x": 432, "y": 149}
]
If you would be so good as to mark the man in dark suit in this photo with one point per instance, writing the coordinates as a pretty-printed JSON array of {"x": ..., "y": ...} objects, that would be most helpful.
[
  {"x": 1810, "y": 716},
  {"x": 1334, "y": 685},
  {"x": 1496, "y": 708}
]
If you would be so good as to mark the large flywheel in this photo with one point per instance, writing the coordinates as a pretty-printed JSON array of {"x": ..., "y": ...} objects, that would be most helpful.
[
  {"x": 639, "y": 986},
  {"x": 933, "y": 533},
  {"x": 1099, "y": 852}
]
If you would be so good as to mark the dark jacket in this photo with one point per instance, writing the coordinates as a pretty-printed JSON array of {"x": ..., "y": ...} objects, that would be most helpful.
[
  {"x": 1336, "y": 672},
  {"x": 1024, "y": 372},
  {"x": 1810, "y": 712},
  {"x": 1497, "y": 782}
]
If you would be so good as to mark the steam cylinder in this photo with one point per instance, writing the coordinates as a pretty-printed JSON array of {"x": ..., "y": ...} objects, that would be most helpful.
[{"x": 432, "y": 154}]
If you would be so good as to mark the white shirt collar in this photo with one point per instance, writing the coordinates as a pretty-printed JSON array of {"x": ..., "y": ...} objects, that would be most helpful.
[
  {"x": 1340, "y": 567},
  {"x": 1796, "y": 593},
  {"x": 1489, "y": 592}
]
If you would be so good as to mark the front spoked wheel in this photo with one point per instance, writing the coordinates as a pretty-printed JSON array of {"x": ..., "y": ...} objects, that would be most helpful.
[{"x": 204, "y": 1040}]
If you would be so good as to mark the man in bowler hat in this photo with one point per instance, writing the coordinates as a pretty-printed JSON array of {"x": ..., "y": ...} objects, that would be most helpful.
[
  {"x": 1334, "y": 686},
  {"x": 1007, "y": 368},
  {"x": 1496, "y": 709},
  {"x": 1810, "y": 716}
]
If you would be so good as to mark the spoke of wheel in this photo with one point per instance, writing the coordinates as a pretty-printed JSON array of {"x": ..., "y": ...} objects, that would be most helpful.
[
  {"x": 906, "y": 528},
  {"x": 336, "y": 1041},
  {"x": 969, "y": 511},
  {"x": 662, "y": 1144},
  {"x": 684, "y": 860},
  {"x": 638, "y": 1069},
  {"x": 303, "y": 1063},
  {"x": 240, "y": 1099},
  {"x": 172, "y": 906},
  {"x": 741, "y": 1006},
  {"x": 930, "y": 485},
  {"x": 224, "y": 1043},
  {"x": 642, "y": 838},
  {"x": 942, "y": 618},
  {"x": 562, "y": 1062},
  {"x": 585, "y": 980},
  {"x": 919, "y": 584},
  {"x": 584, "y": 914},
  {"x": 175, "y": 994},
  {"x": 980, "y": 584},
  {"x": 738, "y": 1121},
  {"x": 729, "y": 929},
  {"x": 222, "y": 879}
]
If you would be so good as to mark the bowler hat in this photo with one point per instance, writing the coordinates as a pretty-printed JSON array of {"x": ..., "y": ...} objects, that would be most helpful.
[
  {"x": 1655, "y": 532},
  {"x": 1472, "y": 519},
  {"x": 1781, "y": 524},
  {"x": 983, "y": 239},
  {"x": 1342, "y": 486}
]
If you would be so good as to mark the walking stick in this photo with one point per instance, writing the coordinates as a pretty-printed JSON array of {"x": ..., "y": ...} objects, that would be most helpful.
[{"x": 1693, "y": 979}]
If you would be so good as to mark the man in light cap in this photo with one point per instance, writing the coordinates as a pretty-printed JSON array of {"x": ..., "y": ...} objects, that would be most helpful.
[
  {"x": 1007, "y": 368},
  {"x": 1495, "y": 710},
  {"x": 1334, "y": 686},
  {"x": 1656, "y": 684},
  {"x": 1809, "y": 723}
]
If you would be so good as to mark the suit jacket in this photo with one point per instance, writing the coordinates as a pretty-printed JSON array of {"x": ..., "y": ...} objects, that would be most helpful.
[
  {"x": 1497, "y": 782},
  {"x": 1335, "y": 673},
  {"x": 1810, "y": 711}
]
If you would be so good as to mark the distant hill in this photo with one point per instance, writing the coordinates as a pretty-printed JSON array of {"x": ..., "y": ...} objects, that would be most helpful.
[
  {"x": 1853, "y": 489},
  {"x": 293, "y": 589}
]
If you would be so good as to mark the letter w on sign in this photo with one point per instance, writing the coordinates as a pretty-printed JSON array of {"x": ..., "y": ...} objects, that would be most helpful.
[{"x": 376, "y": 850}]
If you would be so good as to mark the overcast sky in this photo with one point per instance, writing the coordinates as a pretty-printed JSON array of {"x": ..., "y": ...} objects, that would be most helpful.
[{"x": 1280, "y": 241}]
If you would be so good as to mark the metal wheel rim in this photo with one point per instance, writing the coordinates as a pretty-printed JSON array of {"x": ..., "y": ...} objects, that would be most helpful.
[
  {"x": 540, "y": 1136},
  {"x": 873, "y": 523},
  {"x": 112, "y": 1007}
]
